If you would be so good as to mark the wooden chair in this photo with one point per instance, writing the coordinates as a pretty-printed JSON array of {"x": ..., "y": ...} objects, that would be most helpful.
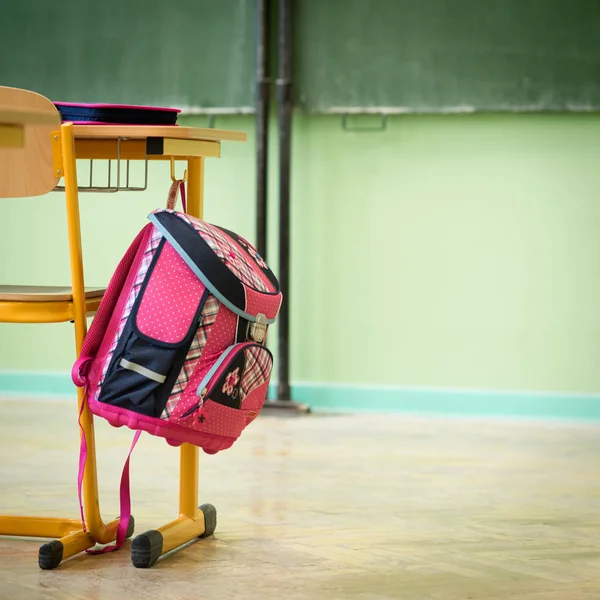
[{"x": 29, "y": 125}]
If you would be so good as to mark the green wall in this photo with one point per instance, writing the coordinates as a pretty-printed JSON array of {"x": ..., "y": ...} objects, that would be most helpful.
[{"x": 443, "y": 252}]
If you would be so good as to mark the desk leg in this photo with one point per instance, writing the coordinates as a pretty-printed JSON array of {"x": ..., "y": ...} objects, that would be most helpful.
[
  {"x": 188, "y": 463},
  {"x": 196, "y": 187},
  {"x": 193, "y": 522},
  {"x": 51, "y": 554}
]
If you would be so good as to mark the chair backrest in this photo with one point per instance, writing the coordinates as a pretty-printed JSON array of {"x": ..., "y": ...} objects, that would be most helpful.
[{"x": 28, "y": 170}]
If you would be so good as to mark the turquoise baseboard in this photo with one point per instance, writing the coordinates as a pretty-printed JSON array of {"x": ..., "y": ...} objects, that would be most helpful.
[
  {"x": 448, "y": 402},
  {"x": 27, "y": 383},
  {"x": 363, "y": 398}
]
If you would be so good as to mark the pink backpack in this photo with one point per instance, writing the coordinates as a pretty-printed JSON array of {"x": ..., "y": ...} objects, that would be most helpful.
[{"x": 177, "y": 347}]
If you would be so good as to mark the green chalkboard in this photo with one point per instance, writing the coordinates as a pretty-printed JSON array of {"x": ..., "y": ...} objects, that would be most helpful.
[
  {"x": 447, "y": 55},
  {"x": 197, "y": 54}
]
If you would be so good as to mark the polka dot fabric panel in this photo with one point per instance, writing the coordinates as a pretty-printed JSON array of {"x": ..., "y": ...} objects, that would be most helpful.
[{"x": 170, "y": 299}]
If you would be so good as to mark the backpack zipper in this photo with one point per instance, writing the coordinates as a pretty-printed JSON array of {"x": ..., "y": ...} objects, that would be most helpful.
[{"x": 202, "y": 387}]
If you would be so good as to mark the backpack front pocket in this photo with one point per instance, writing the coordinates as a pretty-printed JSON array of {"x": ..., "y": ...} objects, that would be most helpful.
[
  {"x": 232, "y": 392},
  {"x": 139, "y": 375},
  {"x": 155, "y": 340}
]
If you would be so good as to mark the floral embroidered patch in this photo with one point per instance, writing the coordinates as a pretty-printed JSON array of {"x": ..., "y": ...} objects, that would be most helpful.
[{"x": 231, "y": 380}]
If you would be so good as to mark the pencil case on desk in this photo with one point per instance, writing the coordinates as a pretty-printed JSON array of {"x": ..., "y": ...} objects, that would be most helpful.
[{"x": 116, "y": 114}]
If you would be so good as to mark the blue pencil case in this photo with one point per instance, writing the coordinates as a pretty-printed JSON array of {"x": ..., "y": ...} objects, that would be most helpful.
[{"x": 116, "y": 114}]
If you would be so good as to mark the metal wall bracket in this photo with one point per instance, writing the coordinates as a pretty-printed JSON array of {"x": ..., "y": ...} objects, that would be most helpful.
[{"x": 382, "y": 126}]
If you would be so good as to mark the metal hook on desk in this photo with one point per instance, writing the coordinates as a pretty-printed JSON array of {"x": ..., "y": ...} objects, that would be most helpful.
[{"x": 173, "y": 178}]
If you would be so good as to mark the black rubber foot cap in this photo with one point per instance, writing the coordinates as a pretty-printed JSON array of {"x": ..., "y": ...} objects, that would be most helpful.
[
  {"x": 146, "y": 549},
  {"x": 210, "y": 519},
  {"x": 131, "y": 528},
  {"x": 50, "y": 555}
]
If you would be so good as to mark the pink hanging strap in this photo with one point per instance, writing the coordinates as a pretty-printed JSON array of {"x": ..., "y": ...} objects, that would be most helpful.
[
  {"x": 125, "y": 493},
  {"x": 125, "y": 515}
]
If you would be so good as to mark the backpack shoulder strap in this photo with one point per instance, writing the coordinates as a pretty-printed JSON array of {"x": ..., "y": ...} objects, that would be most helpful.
[{"x": 94, "y": 337}]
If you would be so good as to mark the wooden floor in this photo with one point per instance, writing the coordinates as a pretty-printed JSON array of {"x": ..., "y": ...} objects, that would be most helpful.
[{"x": 325, "y": 507}]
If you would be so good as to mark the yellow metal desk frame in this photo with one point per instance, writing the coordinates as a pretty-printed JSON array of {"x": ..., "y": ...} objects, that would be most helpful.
[{"x": 69, "y": 143}]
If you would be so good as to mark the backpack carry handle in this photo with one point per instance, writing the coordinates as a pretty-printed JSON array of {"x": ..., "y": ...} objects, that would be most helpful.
[{"x": 177, "y": 186}]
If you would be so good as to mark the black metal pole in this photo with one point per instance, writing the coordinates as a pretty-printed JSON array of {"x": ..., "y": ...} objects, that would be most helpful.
[
  {"x": 284, "y": 113},
  {"x": 262, "y": 124},
  {"x": 284, "y": 96}
]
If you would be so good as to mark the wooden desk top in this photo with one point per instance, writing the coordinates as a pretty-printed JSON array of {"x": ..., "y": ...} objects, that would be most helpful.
[{"x": 159, "y": 131}]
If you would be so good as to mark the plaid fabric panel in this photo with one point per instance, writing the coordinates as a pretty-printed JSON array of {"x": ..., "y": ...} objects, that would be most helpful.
[
  {"x": 144, "y": 266},
  {"x": 256, "y": 371},
  {"x": 229, "y": 253},
  {"x": 209, "y": 315}
]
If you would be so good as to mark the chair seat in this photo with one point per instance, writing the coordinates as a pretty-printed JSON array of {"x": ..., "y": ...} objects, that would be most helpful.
[
  {"x": 43, "y": 293},
  {"x": 43, "y": 303}
]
